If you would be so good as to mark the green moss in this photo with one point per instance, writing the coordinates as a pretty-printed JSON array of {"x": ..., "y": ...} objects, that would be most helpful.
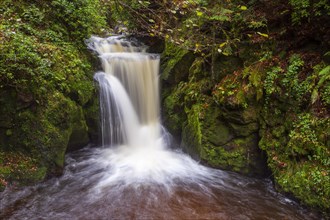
[
  {"x": 79, "y": 135},
  {"x": 308, "y": 182},
  {"x": 192, "y": 134},
  {"x": 218, "y": 133},
  {"x": 245, "y": 129},
  {"x": 46, "y": 132},
  {"x": 239, "y": 155},
  {"x": 298, "y": 155},
  {"x": 197, "y": 69},
  {"x": 20, "y": 168},
  {"x": 91, "y": 113},
  {"x": 175, "y": 63},
  {"x": 215, "y": 129},
  {"x": 46, "y": 78},
  {"x": 210, "y": 137},
  {"x": 219, "y": 157},
  {"x": 173, "y": 111}
]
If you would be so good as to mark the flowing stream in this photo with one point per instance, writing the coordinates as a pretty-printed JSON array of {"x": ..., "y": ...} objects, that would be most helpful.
[{"x": 136, "y": 174}]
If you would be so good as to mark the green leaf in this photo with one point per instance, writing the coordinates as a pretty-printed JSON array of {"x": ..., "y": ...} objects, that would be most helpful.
[
  {"x": 243, "y": 8},
  {"x": 223, "y": 44},
  {"x": 314, "y": 96},
  {"x": 263, "y": 34},
  {"x": 219, "y": 18},
  {"x": 325, "y": 71},
  {"x": 325, "y": 75},
  {"x": 199, "y": 13},
  {"x": 9, "y": 132}
]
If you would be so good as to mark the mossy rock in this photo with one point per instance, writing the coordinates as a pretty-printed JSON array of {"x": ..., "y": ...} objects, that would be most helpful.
[
  {"x": 19, "y": 168},
  {"x": 241, "y": 115},
  {"x": 240, "y": 155},
  {"x": 245, "y": 129},
  {"x": 175, "y": 64},
  {"x": 225, "y": 65},
  {"x": 215, "y": 128},
  {"x": 192, "y": 135},
  {"x": 79, "y": 136},
  {"x": 92, "y": 117},
  {"x": 173, "y": 112},
  {"x": 230, "y": 145},
  {"x": 307, "y": 182},
  {"x": 45, "y": 132},
  {"x": 210, "y": 137},
  {"x": 298, "y": 155}
]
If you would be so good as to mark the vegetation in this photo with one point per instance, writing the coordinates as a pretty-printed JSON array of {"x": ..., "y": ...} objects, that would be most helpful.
[
  {"x": 242, "y": 79},
  {"x": 46, "y": 79},
  {"x": 240, "y": 59},
  {"x": 201, "y": 26}
]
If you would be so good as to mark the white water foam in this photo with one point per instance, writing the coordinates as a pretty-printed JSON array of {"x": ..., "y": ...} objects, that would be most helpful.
[{"x": 130, "y": 110}]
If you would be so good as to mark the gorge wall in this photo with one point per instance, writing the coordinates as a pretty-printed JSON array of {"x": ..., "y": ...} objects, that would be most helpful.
[
  {"x": 48, "y": 102},
  {"x": 247, "y": 118}
]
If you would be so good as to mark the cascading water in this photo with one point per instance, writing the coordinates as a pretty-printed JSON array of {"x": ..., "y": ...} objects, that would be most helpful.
[
  {"x": 134, "y": 175},
  {"x": 129, "y": 93},
  {"x": 129, "y": 97}
]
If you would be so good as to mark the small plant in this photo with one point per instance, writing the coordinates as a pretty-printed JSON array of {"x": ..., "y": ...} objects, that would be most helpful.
[{"x": 303, "y": 10}]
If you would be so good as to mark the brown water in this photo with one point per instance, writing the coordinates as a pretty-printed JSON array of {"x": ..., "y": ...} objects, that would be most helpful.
[{"x": 86, "y": 192}]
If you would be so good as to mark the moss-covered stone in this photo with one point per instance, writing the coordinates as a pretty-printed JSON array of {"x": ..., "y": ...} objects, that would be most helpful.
[
  {"x": 220, "y": 134},
  {"x": 19, "y": 168},
  {"x": 92, "y": 116},
  {"x": 298, "y": 156},
  {"x": 220, "y": 143},
  {"x": 45, "y": 81},
  {"x": 238, "y": 155},
  {"x": 216, "y": 129},
  {"x": 173, "y": 115},
  {"x": 79, "y": 136},
  {"x": 234, "y": 145},
  {"x": 45, "y": 132},
  {"x": 175, "y": 63},
  {"x": 225, "y": 65},
  {"x": 192, "y": 134}
]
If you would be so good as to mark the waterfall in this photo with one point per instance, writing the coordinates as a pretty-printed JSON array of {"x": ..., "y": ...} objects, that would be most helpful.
[
  {"x": 134, "y": 143},
  {"x": 129, "y": 93}
]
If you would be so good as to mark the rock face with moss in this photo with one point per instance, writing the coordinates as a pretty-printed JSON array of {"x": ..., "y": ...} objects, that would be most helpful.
[
  {"x": 220, "y": 134},
  {"x": 265, "y": 111},
  {"x": 47, "y": 97}
]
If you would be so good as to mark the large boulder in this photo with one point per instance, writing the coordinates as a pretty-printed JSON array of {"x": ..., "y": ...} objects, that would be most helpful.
[{"x": 219, "y": 133}]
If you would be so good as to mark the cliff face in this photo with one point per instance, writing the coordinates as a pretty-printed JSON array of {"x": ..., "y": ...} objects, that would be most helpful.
[
  {"x": 47, "y": 94},
  {"x": 254, "y": 118},
  {"x": 266, "y": 106},
  {"x": 223, "y": 134}
]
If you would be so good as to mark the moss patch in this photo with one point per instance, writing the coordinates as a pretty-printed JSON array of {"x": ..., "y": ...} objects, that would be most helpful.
[
  {"x": 46, "y": 80},
  {"x": 19, "y": 168}
]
